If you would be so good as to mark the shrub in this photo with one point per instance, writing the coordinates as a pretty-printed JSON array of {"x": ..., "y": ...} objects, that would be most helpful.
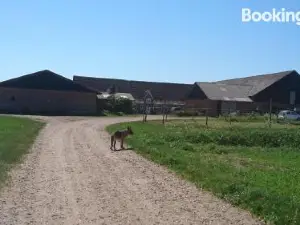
[
  {"x": 119, "y": 105},
  {"x": 186, "y": 113}
]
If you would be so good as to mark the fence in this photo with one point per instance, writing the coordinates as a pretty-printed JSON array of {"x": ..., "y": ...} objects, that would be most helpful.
[
  {"x": 156, "y": 108},
  {"x": 245, "y": 117},
  {"x": 266, "y": 116}
]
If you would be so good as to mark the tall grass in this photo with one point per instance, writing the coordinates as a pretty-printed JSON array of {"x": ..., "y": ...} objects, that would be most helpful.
[
  {"x": 238, "y": 137},
  {"x": 249, "y": 117}
]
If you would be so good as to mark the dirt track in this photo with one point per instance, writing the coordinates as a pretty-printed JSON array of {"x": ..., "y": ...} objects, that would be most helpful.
[{"x": 71, "y": 177}]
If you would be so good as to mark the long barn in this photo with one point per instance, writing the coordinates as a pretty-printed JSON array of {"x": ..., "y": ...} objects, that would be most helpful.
[
  {"x": 45, "y": 92},
  {"x": 282, "y": 90}
]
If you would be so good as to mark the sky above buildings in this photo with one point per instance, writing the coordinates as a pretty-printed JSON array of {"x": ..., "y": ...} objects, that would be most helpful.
[{"x": 153, "y": 40}]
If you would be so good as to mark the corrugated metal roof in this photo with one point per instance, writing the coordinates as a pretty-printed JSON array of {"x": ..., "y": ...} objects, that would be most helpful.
[
  {"x": 124, "y": 95},
  {"x": 240, "y": 89},
  {"x": 117, "y": 95},
  {"x": 103, "y": 96},
  {"x": 257, "y": 83},
  {"x": 224, "y": 92}
]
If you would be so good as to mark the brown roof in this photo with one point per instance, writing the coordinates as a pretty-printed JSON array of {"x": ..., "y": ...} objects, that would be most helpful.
[
  {"x": 159, "y": 90},
  {"x": 258, "y": 82},
  {"x": 240, "y": 89},
  {"x": 225, "y": 92}
]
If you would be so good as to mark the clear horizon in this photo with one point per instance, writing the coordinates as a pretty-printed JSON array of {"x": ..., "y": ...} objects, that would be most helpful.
[{"x": 156, "y": 41}]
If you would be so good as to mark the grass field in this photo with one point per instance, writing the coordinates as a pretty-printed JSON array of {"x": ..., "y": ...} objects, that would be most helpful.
[
  {"x": 248, "y": 164},
  {"x": 16, "y": 137}
]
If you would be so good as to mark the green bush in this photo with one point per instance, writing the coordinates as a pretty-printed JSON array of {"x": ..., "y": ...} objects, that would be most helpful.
[
  {"x": 186, "y": 113},
  {"x": 119, "y": 105}
]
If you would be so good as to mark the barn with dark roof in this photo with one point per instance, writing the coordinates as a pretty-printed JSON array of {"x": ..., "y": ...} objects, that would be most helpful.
[
  {"x": 45, "y": 92},
  {"x": 173, "y": 94},
  {"x": 160, "y": 90},
  {"x": 282, "y": 90}
]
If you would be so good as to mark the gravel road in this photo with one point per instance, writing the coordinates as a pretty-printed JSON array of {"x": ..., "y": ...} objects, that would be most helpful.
[{"x": 71, "y": 177}]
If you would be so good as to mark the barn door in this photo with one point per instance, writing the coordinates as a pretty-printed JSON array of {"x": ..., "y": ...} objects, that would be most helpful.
[{"x": 228, "y": 106}]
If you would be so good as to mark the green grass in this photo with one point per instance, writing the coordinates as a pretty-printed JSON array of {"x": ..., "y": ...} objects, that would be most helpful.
[
  {"x": 251, "y": 166},
  {"x": 16, "y": 137}
]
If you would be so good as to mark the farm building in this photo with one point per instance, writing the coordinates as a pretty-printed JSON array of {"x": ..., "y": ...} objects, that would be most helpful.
[
  {"x": 280, "y": 90},
  {"x": 171, "y": 94},
  {"x": 45, "y": 92}
]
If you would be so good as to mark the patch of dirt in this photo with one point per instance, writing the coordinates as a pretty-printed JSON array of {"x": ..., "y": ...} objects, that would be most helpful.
[{"x": 72, "y": 177}]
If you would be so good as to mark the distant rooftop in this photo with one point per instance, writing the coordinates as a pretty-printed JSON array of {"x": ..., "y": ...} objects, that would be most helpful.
[{"x": 241, "y": 89}]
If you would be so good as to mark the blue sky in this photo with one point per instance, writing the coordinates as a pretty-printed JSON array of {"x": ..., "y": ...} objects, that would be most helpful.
[{"x": 154, "y": 40}]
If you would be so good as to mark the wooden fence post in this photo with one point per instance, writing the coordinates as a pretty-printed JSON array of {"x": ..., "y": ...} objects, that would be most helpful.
[
  {"x": 230, "y": 116},
  {"x": 166, "y": 111},
  {"x": 206, "y": 118},
  {"x": 270, "y": 113}
]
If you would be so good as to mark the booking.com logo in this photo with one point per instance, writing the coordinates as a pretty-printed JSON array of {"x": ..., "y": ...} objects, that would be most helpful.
[{"x": 275, "y": 16}]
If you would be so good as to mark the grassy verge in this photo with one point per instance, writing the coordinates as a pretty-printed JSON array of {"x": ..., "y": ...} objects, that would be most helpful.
[
  {"x": 16, "y": 137},
  {"x": 251, "y": 166}
]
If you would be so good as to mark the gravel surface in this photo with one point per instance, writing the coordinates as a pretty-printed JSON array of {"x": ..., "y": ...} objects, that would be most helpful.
[{"x": 72, "y": 177}]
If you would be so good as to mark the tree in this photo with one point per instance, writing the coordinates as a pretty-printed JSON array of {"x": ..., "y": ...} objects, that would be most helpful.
[{"x": 120, "y": 104}]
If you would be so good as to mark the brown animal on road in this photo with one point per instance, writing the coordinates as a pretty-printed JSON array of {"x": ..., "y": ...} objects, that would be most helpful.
[{"x": 119, "y": 135}]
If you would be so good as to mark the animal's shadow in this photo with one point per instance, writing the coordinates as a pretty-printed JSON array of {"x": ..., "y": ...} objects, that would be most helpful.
[{"x": 120, "y": 149}]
